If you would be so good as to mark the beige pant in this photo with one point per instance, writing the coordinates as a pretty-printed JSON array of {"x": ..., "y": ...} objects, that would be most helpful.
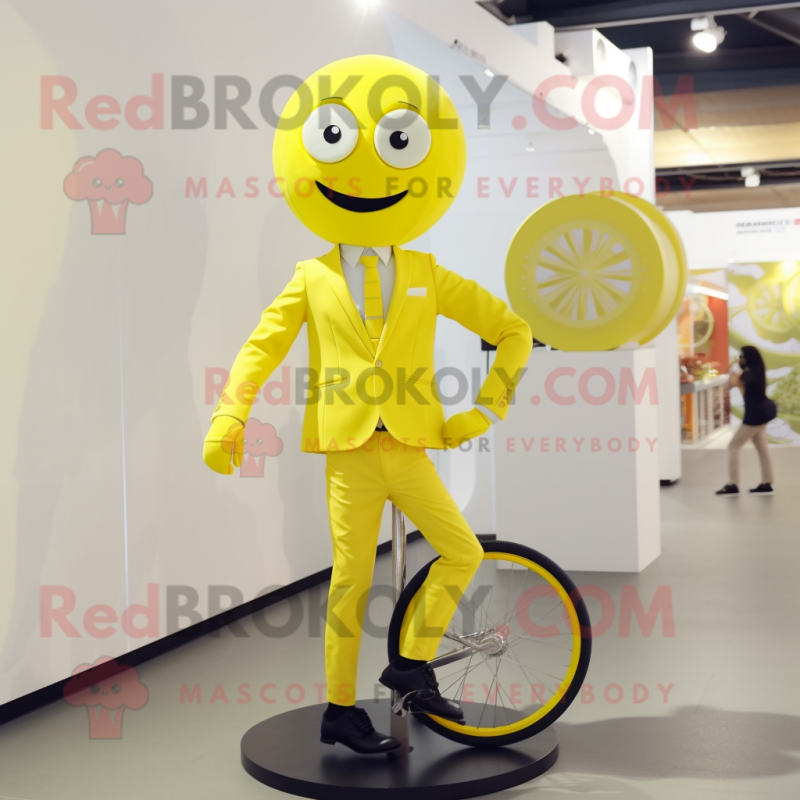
[{"x": 758, "y": 433}]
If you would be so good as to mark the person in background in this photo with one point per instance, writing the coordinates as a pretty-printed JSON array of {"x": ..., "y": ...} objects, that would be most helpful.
[{"x": 758, "y": 411}]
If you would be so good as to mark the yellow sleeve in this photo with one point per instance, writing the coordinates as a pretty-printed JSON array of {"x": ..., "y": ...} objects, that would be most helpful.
[
  {"x": 478, "y": 310},
  {"x": 265, "y": 349}
]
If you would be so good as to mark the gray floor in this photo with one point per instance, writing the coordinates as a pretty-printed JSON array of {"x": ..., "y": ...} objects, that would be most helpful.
[{"x": 730, "y": 726}]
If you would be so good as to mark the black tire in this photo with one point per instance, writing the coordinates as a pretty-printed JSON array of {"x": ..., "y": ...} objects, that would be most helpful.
[{"x": 393, "y": 641}]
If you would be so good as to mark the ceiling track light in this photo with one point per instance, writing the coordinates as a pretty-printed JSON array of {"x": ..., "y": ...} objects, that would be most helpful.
[
  {"x": 752, "y": 177},
  {"x": 708, "y": 35}
]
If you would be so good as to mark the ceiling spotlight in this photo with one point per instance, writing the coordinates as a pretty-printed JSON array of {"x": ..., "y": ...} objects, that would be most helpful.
[
  {"x": 708, "y": 35},
  {"x": 529, "y": 147},
  {"x": 591, "y": 131},
  {"x": 489, "y": 73},
  {"x": 751, "y": 181}
]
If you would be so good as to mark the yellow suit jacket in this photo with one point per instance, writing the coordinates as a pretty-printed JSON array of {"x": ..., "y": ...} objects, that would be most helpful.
[{"x": 352, "y": 383}]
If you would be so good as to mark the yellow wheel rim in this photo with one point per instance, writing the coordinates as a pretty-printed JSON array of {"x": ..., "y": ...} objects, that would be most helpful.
[
  {"x": 588, "y": 273},
  {"x": 575, "y": 630},
  {"x": 678, "y": 264}
]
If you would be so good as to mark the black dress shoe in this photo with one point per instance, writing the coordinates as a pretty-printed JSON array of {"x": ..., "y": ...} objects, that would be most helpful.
[
  {"x": 728, "y": 490},
  {"x": 423, "y": 690},
  {"x": 354, "y": 730},
  {"x": 763, "y": 488}
]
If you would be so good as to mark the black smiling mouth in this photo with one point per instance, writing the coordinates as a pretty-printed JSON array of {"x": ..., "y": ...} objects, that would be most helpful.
[{"x": 359, "y": 204}]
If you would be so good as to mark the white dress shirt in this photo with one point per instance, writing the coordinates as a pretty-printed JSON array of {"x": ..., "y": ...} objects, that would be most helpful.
[{"x": 354, "y": 273}]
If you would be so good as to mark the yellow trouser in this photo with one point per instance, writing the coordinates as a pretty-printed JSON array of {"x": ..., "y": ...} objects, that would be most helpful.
[{"x": 359, "y": 483}]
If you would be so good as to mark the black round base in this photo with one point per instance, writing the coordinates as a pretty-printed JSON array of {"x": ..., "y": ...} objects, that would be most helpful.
[{"x": 285, "y": 752}]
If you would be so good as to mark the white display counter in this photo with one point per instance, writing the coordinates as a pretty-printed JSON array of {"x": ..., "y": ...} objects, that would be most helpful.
[
  {"x": 704, "y": 408},
  {"x": 577, "y": 460}
]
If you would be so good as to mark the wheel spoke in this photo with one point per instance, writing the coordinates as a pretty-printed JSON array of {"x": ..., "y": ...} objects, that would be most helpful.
[
  {"x": 580, "y": 258},
  {"x": 566, "y": 298},
  {"x": 608, "y": 288},
  {"x": 466, "y": 672},
  {"x": 541, "y": 640},
  {"x": 556, "y": 281},
  {"x": 496, "y": 607},
  {"x": 534, "y": 670},
  {"x": 524, "y": 669},
  {"x": 583, "y": 301}
]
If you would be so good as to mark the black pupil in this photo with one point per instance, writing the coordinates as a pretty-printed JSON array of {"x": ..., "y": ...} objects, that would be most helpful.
[
  {"x": 332, "y": 134},
  {"x": 398, "y": 140}
]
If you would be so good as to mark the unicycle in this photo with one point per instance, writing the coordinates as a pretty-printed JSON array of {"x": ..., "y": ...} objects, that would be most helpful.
[{"x": 516, "y": 652}]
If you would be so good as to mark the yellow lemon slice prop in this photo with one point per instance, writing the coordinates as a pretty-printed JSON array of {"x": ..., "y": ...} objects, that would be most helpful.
[
  {"x": 791, "y": 303},
  {"x": 593, "y": 272},
  {"x": 766, "y": 305},
  {"x": 703, "y": 326}
]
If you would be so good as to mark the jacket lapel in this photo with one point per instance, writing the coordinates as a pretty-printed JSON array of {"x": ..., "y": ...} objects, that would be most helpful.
[
  {"x": 402, "y": 277},
  {"x": 335, "y": 276}
]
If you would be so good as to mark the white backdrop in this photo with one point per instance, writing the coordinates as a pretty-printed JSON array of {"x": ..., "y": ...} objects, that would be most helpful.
[{"x": 108, "y": 339}]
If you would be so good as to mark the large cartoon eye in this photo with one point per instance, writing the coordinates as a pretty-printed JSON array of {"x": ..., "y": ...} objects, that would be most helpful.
[
  {"x": 116, "y": 688},
  {"x": 94, "y": 689},
  {"x": 330, "y": 133},
  {"x": 402, "y": 138},
  {"x": 97, "y": 182},
  {"x": 119, "y": 183}
]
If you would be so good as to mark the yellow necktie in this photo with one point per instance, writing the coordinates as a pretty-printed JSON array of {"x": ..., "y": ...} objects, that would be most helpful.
[{"x": 373, "y": 302}]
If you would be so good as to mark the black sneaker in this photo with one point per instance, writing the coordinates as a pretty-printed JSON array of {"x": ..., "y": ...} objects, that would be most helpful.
[
  {"x": 763, "y": 488},
  {"x": 354, "y": 730},
  {"x": 728, "y": 490},
  {"x": 423, "y": 691}
]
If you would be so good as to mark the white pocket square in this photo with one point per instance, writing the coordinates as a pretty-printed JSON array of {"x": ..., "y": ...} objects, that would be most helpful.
[{"x": 417, "y": 291}]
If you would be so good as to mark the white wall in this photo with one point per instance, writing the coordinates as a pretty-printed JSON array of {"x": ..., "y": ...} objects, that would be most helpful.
[
  {"x": 108, "y": 337},
  {"x": 474, "y": 235},
  {"x": 717, "y": 238}
]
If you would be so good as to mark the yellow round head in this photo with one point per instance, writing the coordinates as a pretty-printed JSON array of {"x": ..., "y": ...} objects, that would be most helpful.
[{"x": 369, "y": 151}]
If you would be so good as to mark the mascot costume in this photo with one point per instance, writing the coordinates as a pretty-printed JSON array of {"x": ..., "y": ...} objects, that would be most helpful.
[{"x": 369, "y": 154}]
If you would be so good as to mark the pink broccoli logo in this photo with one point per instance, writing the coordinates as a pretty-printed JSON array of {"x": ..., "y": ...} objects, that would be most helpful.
[
  {"x": 260, "y": 441},
  {"x": 106, "y": 688},
  {"x": 108, "y": 181}
]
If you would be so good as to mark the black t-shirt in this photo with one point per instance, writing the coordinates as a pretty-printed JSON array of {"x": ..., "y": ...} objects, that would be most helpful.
[{"x": 758, "y": 408}]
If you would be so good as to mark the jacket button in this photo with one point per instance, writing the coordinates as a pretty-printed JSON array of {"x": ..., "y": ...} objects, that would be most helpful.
[
  {"x": 501, "y": 404},
  {"x": 379, "y": 363}
]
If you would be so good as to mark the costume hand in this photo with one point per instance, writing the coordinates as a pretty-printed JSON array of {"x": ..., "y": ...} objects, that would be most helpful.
[
  {"x": 225, "y": 438},
  {"x": 463, "y": 426}
]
